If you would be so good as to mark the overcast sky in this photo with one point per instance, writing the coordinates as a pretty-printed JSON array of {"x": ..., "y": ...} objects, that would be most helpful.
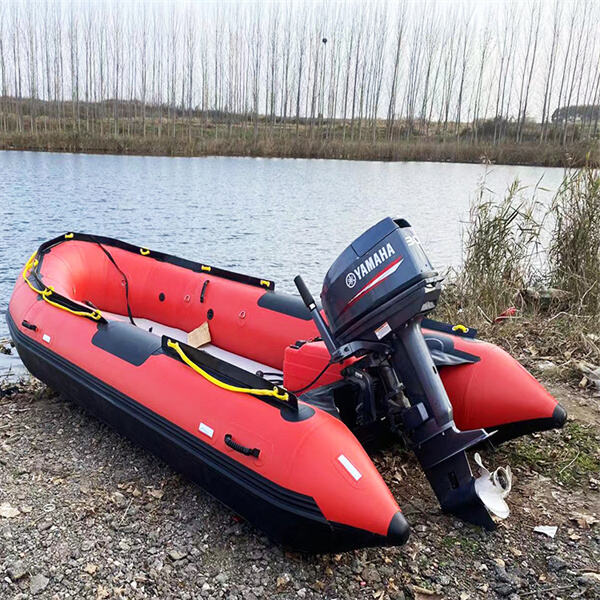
[{"x": 470, "y": 58}]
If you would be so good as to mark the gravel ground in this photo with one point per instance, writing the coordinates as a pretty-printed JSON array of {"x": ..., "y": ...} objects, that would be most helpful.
[{"x": 85, "y": 514}]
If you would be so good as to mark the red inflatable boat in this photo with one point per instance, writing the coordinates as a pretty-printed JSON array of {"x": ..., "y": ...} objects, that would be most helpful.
[{"x": 268, "y": 415}]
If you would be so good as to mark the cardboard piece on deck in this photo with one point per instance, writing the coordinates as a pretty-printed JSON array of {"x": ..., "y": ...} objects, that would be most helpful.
[{"x": 199, "y": 336}]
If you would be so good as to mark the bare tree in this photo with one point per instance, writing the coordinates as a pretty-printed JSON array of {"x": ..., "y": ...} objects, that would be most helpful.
[
  {"x": 483, "y": 57},
  {"x": 301, "y": 48},
  {"x": 74, "y": 64},
  {"x": 465, "y": 50},
  {"x": 551, "y": 68},
  {"x": 16, "y": 55},
  {"x": 391, "y": 112},
  {"x": 3, "y": 75},
  {"x": 528, "y": 66}
]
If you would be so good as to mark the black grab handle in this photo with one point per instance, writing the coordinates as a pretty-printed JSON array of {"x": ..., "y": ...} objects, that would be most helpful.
[
  {"x": 204, "y": 285},
  {"x": 239, "y": 448},
  {"x": 304, "y": 292}
]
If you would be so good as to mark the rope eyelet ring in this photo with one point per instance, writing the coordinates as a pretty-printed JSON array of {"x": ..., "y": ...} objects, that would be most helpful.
[{"x": 144, "y": 251}]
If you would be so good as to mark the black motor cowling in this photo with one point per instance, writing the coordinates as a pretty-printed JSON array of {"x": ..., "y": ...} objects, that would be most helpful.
[{"x": 378, "y": 283}]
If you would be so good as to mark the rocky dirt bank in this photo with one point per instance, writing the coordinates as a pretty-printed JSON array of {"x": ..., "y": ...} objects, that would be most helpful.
[{"x": 85, "y": 514}]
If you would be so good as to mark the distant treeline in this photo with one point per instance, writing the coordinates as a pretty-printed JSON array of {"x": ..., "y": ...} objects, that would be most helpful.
[
  {"x": 354, "y": 72},
  {"x": 586, "y": 114}
]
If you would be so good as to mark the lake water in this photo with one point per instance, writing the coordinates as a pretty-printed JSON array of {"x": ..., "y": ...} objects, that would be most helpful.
[{"x": 272, "y": 218}]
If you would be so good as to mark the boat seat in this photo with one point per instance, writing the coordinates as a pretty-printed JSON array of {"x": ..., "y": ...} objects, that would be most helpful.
[{"x": 159, "y": 329}]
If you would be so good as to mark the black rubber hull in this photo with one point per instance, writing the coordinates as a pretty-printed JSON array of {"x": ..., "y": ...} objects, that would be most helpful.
[{"x": 287, "y": 517}]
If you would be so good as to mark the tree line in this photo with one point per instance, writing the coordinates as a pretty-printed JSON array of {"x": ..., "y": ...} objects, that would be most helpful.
[{"x": 353, "y": 71}]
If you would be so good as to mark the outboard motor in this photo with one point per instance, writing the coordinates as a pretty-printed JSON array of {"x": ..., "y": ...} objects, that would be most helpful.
[{"x": 375, "y": 296}]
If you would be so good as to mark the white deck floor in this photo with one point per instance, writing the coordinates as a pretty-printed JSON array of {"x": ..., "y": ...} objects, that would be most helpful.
[{"x": 178, "y": 334}]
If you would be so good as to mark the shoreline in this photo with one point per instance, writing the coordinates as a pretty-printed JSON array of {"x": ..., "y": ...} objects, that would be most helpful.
[{"x": 534, "y": 154}]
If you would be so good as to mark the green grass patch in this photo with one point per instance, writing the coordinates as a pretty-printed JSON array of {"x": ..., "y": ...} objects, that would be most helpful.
[
  {"x": 569, "y": 456},
  {"x": 467, "y": 544}
]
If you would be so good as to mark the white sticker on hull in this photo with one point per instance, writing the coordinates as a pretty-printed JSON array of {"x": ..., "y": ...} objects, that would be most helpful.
[
  {"x": 206, "y": 430},
  {"x": 356, "y": 474},
  {"x": 46, "y": 338}
]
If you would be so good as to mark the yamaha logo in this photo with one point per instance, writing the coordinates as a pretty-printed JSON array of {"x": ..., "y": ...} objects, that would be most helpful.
[{"x": 378, "y": 257}]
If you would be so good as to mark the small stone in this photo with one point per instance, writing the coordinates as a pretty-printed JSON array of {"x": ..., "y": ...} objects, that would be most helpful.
[
  {"x": 445, "y": 580},
  {"x": 283, "y": 581},
  {"x": 8, "y": 512},
  {"x": 17, "y": 570},
  {"x": 38, "y": 583},
  {"x": 177, "y": 555},
  {"x": 504, "y": 589},
  {"x": 44, "y": 525},
  {"x": 221, "y": 578},
  {"x": 371, "y": 575},
  {"x": 502, "y": 575},
  {"x": 123, "y": 545},
  {"x": 555, "y": 563},
  {"x": 545, "y": 366},
  {"x": 90, "y": 568},
  {"x": 357, "y": 566},
  {"x": 206, "y": 587},
  {"x": 119, "y": 499}
]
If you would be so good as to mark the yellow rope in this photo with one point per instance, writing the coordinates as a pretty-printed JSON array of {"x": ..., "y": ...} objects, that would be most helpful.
[
  {"x": 232, "y": 388},
  {"x": 96, "y": 315}
]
